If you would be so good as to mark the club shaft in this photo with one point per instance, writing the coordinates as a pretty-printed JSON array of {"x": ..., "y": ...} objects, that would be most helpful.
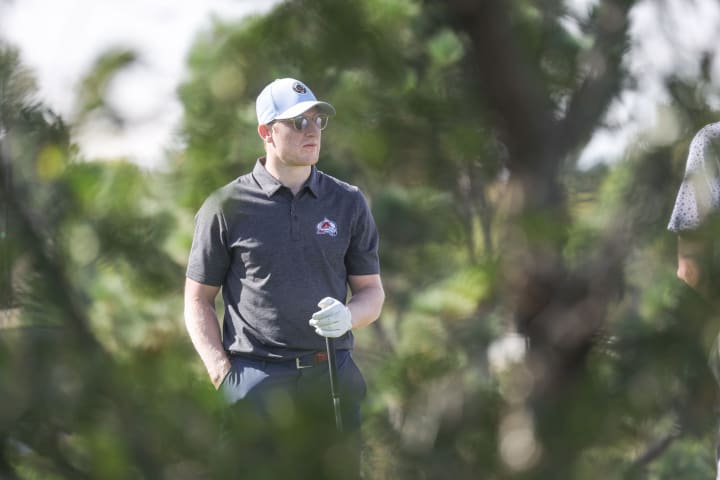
[{"x": 334, "y": 390}]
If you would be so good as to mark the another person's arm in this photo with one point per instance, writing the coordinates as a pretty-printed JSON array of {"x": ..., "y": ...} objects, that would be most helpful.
[{"x": 202, "y": 325}]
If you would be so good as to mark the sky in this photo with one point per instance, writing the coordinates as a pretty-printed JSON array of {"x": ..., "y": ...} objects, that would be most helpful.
[
  {"x": 667, "y": 38},
  {"x": 60, "y": 40}
]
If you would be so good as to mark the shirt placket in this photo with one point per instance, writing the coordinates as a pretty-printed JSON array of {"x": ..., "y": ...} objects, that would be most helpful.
[{"x": 295, "y": 218}]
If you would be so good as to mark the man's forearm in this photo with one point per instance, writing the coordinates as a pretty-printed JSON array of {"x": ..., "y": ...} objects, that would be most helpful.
[
  {"x": 202, "y": 326},
  {"x": 366, "y": 305}
]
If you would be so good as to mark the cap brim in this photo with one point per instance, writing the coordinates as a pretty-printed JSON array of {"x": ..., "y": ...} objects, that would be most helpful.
[{"x": 302, "y": 107}]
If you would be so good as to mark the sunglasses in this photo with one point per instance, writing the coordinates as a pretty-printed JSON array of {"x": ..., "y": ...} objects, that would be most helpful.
[{"x": 301, "y": 122}]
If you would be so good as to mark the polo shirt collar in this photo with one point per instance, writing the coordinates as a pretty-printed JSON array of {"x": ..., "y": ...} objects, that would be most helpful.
[
  {"x": 313, "y": 182},
  {"x": 270, "y": 185}
]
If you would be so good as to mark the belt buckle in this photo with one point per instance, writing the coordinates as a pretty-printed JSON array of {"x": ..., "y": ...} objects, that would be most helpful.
[{"x": 300, "y": 366}]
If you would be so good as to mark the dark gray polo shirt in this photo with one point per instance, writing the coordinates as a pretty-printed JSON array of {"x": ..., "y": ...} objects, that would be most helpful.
[{"x": 277, "y": 255}]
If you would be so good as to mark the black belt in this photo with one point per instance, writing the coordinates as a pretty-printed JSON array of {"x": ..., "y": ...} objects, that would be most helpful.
[{"x": 308, "y": 361}]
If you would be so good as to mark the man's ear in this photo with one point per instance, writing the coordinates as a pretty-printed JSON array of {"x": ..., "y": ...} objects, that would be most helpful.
[{"x": 265, "y": 132}]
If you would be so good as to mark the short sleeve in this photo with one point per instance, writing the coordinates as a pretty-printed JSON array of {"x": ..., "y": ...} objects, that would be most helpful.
[
  {"x": 362, "y": 255},
  {"x": 209, "y": 257},
  {"x": 699, "y": 193}
]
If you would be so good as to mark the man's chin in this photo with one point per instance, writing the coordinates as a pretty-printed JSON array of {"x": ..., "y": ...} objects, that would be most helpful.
[{"x": 310, "y": 160}]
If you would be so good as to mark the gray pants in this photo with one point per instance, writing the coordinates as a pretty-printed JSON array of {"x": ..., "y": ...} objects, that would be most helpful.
[{"x": 270, "y": 385}]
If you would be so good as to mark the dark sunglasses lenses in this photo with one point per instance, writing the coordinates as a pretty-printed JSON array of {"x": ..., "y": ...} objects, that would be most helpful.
[{"x": 301, "y": 123}]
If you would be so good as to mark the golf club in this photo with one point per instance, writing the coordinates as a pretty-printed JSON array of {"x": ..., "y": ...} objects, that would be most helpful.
[{"x": 330, "y": 344}]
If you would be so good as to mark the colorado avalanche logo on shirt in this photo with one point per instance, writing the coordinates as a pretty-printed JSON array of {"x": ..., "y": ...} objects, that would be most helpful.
[{"x": 327, "y": 227}]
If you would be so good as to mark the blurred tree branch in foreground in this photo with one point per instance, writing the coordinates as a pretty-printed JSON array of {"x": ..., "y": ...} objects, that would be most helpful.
[{"x": 534, "y": 327}]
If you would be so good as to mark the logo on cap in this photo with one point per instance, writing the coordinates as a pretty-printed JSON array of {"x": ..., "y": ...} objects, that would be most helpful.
[
  {"x": 299, "y": 87},
  {"x": 327, "y": 227}
]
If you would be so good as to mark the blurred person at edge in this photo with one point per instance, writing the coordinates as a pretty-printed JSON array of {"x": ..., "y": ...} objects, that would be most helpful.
[
  {"x": 284, "y": 242},
  {"x": 694, "y": 220}
]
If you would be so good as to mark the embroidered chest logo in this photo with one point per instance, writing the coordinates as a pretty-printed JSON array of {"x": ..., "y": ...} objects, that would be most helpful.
[{"x": 326, "y": 227}]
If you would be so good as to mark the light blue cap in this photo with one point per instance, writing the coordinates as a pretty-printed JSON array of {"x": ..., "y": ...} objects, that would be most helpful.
[{"x": 287, "y": 98}]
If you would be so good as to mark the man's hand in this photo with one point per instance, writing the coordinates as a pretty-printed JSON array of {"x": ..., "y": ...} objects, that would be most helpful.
[
  {"x": 333, "y": 319},
  {"x": 202, "y": 326},
  {"x": 218, "y": 377}
]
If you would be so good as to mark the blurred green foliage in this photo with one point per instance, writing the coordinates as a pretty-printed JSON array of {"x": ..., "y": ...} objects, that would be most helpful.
[{"x": 467, "y": 151}]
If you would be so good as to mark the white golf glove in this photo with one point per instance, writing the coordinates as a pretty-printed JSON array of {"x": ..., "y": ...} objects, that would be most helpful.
[{"x": 333, "y": 319}]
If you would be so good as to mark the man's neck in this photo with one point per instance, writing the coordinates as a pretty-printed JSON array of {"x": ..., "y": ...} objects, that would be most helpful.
[{"x": 291, "y": 177}]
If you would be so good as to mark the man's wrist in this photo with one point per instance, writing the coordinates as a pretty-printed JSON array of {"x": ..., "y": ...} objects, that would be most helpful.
[
  {"x": 222, "y": 370},
  {"x": 350, "y": 318}
]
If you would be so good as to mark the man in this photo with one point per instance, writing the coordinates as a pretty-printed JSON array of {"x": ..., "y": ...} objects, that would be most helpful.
[
  {"x": 284, "y": 242},
  {"x": 695, "y": 221}
]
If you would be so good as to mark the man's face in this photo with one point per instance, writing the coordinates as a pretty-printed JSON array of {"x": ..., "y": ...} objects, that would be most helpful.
[{"x": 297, "y": 148}]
